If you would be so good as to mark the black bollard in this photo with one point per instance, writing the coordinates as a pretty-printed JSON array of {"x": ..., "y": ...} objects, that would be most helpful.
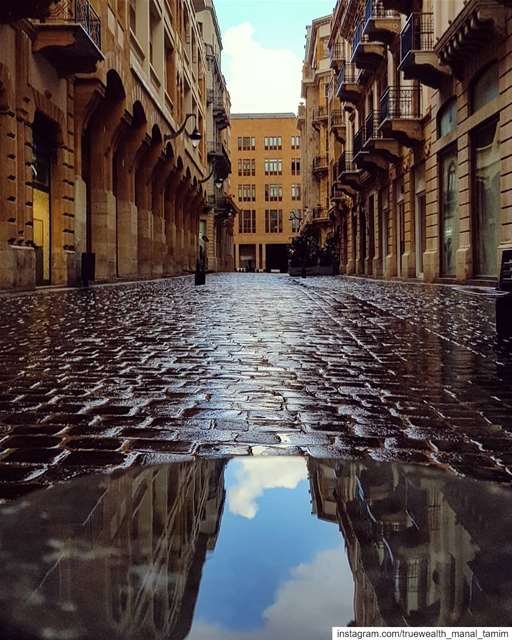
[
  {"x": 504, "y": 316},
  {"x": 200, "y": 275},
  {"x": 504, "y": 303}
]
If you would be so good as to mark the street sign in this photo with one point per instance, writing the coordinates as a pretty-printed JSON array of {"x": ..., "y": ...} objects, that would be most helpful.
[{"x": 505, "y": 283}]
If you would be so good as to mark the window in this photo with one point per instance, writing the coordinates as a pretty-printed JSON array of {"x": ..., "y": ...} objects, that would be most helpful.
[
  {"x": 273, "y": 167},
  {"x": 296, "y": 192},
  {"x": 295, "y": 142},
  {"x": 133, "y": 16},
  {"x": 296, "y": 220},
  {"x": 296, "y": 167},
  {"x": 246, "y": 144},
  {"x": 274, "y": 221},
  {"x": 247, "y": 192},
  {"x": 273, "y": 192},
  {"x": 247, "y": 221},
  {"x": 449, "y": 213},
  {"x": 154, "y": 22},
  {"x": 246, "y": 167},
  {"x": 170, "y": 70},
  {"x": 447, "y": 118},
  {"x": 486, "y": 203},
  {"x": 275, "y": 143},
  {"x": 485, "y": 88}
]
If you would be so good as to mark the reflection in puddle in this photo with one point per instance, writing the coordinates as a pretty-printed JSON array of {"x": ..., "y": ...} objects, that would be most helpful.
[{"x": 301, "y": 546}]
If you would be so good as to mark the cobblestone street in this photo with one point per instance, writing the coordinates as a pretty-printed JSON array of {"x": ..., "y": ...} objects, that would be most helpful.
[{"x": 251, "y": 364}]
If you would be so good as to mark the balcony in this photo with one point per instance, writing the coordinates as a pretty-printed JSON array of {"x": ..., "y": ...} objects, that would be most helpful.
[
  {"x": 218, "y": 155},
  {"x": 337, "y": 193},
  {"x": 418, "y": 60},
  {"x": 70, "y": 38},
  {"x": 336, "y": 56},
  {"x": 479, "y": 22},
  {"x": 13, "y": 10},
  {"x": 400, "y": 115},
  {"x": 337, "y": 125},
  {"x": 349, "y": 87},
  {"x": 379, "y": 149},
  {"x": 381, "y": 24},
  {"x": 220, "y": 111},
  {"x": 366, "y": 54},
  {"x": 402, "y": 6},
  {"x": 320, "y": 115},
  {"x": 350, "y": 176},
  {"x": 320, "y": 165},
  {"x": 320, "y": 214}
]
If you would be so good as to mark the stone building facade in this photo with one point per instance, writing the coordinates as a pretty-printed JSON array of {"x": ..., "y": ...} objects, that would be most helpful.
[
  {"x": 96, "y": 156},
  {"x": 216, "y": 222},
  {"x": 267, "y": 184},
  {"x": 313, "y": 123},
  {"x": 419, "y": 175}
]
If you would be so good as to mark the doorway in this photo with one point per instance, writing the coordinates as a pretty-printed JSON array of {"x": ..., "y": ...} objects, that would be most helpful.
[{"x": 44, "y": 142}]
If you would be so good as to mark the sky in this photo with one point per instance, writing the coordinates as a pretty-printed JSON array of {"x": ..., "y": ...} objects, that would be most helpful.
[{"x": 263, "y": 50}]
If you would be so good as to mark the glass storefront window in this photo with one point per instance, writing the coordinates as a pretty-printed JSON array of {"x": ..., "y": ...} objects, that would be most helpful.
[
  {"x": 447, "y": 118},
  {"x": 485, "y": 88},
  {"x": 487, "y": 198},
  {"x": 449, "y": 213}
]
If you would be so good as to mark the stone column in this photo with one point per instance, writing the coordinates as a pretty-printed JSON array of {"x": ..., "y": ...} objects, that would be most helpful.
[{"x": 144, "y": 201}]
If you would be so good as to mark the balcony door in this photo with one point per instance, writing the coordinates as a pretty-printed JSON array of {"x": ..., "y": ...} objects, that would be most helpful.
[
  {"x": 486, "y": 153},
  {"x": 44, "y": 143},
  {"x": 449, "y": 213}
]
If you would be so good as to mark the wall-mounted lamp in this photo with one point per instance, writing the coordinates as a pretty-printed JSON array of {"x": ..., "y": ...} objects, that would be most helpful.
[
  {"x": 195, "y": 137},
  {"x": 294, "y": 216},
  {"x": 219, "y": 182}
]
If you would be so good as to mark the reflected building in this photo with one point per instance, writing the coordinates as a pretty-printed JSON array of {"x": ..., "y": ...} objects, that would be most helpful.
[
  {"x": 138, "y": 543},
  {"x": 423, "y": 549}
]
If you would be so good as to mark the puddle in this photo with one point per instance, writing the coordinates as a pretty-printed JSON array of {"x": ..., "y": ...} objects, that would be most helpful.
[{"x": 255, "y": 549}]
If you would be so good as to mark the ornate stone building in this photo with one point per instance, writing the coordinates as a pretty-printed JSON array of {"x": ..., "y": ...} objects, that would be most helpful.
[
  {"x": 313, "y": 123},
  {"x": 419, "y": 173},
  {"x": 103, "y": 139},
  {"x": 216, "y": 223}
]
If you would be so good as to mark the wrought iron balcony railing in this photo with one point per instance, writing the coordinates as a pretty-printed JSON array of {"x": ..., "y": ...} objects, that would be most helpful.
[
  {"x": 337, "y": 119},
  {"x": 346, "y": 163},
  {"x": 376, "y": 9},
  {"x": 78, "y": 12},
  {"x": 336, "y": 53},
  {"x": 359, "y": 140},
  {"x": 348, "y": 74},
  {"x": 398, "y": 102},
  {"x": 418, "y": 34},
  {"x": 320, "y": 112},
  {"x": 320, "y": 163},
  {"x": 371, "y": 127},
  {"x": 357, "y": 38}
]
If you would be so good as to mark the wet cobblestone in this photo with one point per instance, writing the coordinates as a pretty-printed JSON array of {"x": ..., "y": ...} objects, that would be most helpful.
[{"x": 251, "y": 364}]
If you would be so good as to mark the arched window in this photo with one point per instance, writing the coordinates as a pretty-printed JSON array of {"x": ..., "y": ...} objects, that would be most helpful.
[
  {"x": 485, "y": 87},
  {"x": 447, "y": 118}
]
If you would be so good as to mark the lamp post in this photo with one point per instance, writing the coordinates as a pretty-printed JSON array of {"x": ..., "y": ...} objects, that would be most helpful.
[
  {"x": 195, "y": 137},
  {"x": 298, "y": 217}
]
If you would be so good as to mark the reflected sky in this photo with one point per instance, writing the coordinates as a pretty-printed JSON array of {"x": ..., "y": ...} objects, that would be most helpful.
[
  {"x": 269, "y": 556},
  {"x": 255, "y": 549}
]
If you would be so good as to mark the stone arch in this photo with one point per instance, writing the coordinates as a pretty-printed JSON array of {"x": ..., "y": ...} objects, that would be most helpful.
[{"x": 8, "y": 162}]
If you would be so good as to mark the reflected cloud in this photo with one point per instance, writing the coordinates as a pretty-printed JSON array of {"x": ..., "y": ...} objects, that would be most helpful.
[
  {"x": 295, "y": 614},
  {"x": 254, "y": 476}
]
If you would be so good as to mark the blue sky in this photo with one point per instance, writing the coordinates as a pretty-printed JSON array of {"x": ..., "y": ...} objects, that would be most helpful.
[{"x": 263, "y": 50}]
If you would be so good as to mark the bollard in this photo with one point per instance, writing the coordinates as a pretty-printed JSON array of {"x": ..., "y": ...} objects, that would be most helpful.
[
  {"x": 504, "y": 303},
  {"x": 200, "y": 275}
]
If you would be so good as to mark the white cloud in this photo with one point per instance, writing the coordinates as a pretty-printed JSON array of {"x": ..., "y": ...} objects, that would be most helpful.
[
  {"x": 259, "y": 79},
  {"x": 315, "y": 597},
  {"x": 254, "y": 476}
]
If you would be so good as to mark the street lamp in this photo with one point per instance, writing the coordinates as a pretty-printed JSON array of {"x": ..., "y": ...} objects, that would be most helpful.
[{"x": 195, "y": 137}]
